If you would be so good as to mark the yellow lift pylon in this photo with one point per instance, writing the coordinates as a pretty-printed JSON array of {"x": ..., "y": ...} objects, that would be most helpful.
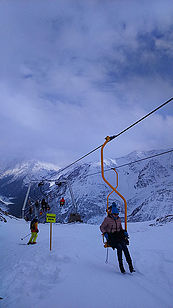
[{"x": 114, "y": 189}]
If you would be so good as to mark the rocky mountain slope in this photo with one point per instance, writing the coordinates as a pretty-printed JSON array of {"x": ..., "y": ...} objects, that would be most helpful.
[
  {"x": 14, "y": 180},
  {"x": 147, "y": 186}
]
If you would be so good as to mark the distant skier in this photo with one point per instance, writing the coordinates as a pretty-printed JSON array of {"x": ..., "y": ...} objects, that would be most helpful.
[
  {"x": 48, "y": 207},
  {"x": 116, "y": 237},
  {"x": 34, "y": 231},
  {"x": 30, "y": 209},
  {"x": 62, "y": 201},
  {"x": 37, "y": 206},
  {"x": 44, "y": 205}
]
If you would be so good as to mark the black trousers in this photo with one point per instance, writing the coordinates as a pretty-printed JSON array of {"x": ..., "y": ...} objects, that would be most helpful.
[
  {"x": 118, "y": 243},
  {"x": 121, "y": 247}
]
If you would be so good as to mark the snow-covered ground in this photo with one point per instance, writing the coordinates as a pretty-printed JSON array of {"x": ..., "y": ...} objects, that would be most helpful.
[{"x": 74, "y": 273}]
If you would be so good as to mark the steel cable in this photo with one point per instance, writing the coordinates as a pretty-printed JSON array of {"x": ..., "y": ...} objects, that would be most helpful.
[{"x": 115, "y": 136}]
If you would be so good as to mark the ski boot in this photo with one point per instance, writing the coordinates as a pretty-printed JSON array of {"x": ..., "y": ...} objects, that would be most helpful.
[
  {"x": 122, "y": 268},
  {"x": 131, "y": 268}
]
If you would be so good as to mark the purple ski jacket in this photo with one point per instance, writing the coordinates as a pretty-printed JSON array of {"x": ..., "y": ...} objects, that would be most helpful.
[{"x": 111, "y": 225}]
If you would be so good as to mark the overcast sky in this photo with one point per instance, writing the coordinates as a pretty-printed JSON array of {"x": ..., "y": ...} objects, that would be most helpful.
[{"x": 73, "y": 72}]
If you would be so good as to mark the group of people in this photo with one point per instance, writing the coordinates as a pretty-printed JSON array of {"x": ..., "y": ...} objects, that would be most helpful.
[
  {"x": 41, "y": 207},
  {"x": 111, "y": 228},
  {"x": 38, "y": 207},
  {"x": 34, "y": 222},
  {"x": 44, "y": 205}
]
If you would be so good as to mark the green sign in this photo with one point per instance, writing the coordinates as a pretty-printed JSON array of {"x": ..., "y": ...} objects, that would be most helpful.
[{"x": 50, "y": 217}]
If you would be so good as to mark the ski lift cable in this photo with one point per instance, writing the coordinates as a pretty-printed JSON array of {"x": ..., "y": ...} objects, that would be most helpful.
[
  {"x": 115, "y": 136},
  {"x": 116, "y": 167},
  {"x": 133, "y": 162},
  {"x": 141, "y": 119}
]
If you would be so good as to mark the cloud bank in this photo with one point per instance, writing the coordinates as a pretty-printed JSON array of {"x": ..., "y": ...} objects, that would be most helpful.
[{"x": 73, "y": 72}]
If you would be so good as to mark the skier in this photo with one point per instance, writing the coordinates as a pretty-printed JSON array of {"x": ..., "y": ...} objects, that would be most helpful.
[
  {"x": 31, "y": 209},
  {"x": 48, "y": 207},
  {"x": 116, "y": 237},
  {"x": 62, "y": 201},
  {"x": 44, "y": 205},
  {"x": 37, "y": 205},
  {"x": 34, "y": 231}
]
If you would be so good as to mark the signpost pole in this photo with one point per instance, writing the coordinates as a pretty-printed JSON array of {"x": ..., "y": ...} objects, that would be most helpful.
[
  {"x": 50, "y": 235},
  {"x": 51, "y": 218}
]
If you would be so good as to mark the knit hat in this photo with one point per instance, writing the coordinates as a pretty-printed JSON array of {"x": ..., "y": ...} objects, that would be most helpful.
[{"x": 114, "y": 208}]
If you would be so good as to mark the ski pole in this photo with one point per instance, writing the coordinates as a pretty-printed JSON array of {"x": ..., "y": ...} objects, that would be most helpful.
[{"x": 25, "y": 236}]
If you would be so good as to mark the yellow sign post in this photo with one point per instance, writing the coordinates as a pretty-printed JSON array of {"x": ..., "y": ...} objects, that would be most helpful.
[{"x": 51, "y": 218}]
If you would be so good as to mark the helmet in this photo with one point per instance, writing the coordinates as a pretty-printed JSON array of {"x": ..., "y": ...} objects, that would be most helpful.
[{"x": 115, "y": 209}]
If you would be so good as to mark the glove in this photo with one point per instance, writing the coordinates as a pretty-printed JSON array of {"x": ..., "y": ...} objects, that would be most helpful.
[
  {"x": 125, "y": 233},
  {"x": 106, "y": 235},
  {"x": 37, "y": 231}
]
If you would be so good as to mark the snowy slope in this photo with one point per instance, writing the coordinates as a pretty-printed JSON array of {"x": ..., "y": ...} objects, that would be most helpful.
[{"x": 74, "y": 273}]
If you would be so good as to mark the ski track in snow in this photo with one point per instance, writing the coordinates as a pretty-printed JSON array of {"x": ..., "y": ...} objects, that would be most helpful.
[{"x": 74, "y": 273}]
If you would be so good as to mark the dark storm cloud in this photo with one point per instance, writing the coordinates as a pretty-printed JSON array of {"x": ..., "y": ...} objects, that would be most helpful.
[{"x": 73, "y": 72}]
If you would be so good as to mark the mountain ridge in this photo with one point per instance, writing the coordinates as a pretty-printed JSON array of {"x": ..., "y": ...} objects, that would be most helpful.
[{"x": 147, "y": 186}]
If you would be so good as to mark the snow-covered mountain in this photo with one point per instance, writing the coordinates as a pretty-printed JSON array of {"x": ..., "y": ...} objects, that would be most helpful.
[
  {"x": 14, "y": 180},
  {"x": 147, "y": 186}
]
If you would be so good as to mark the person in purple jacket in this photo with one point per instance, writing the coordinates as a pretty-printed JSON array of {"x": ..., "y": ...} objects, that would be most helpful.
[{"x": 116, "y": 237}]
